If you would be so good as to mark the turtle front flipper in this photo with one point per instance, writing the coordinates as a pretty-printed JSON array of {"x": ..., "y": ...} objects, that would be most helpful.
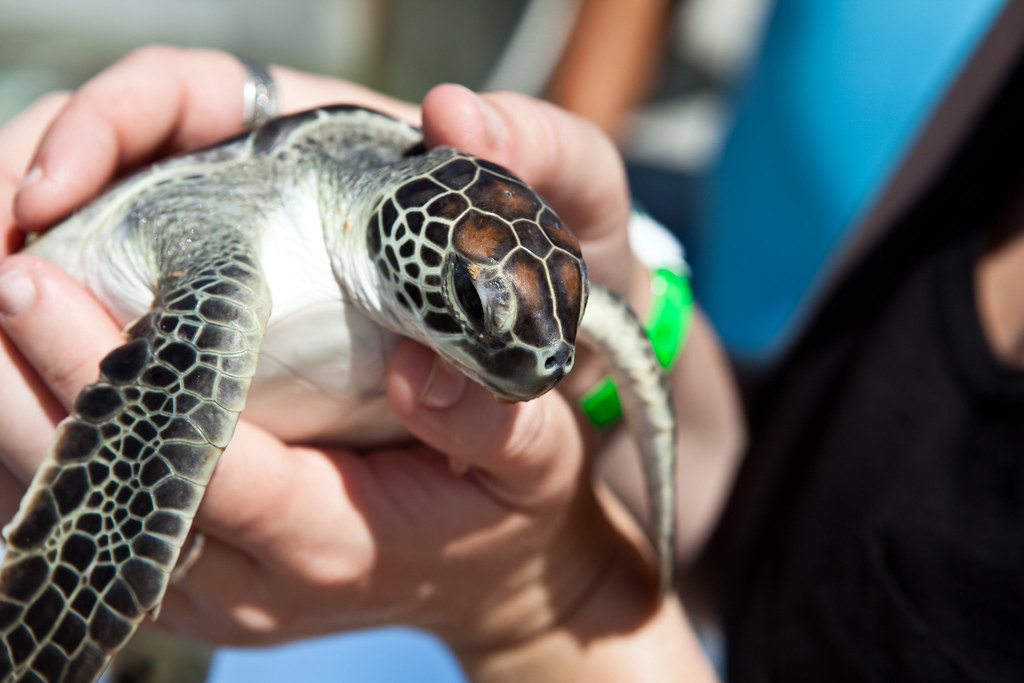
[
  {"x": 92, "y": 547},
  {"x": 610, "y": 326}
]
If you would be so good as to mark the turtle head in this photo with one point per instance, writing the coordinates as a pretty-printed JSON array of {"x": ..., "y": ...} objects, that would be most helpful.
[{"x": 475, "y": 264}]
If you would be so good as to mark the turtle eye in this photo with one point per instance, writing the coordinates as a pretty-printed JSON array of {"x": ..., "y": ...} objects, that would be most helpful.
[
  {"x": 500, "y": 307},
  {"x": 467, "y": 295}
]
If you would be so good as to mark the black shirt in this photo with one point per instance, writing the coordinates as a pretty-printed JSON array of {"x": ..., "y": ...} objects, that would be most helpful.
[{"x": 877, "y": 532}]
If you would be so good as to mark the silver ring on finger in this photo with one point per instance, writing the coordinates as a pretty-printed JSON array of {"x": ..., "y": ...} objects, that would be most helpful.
[{"x": 259, "y": 94}]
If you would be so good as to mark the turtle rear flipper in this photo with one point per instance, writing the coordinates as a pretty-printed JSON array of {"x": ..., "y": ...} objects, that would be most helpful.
[
  {"x": 611, "y": 327},
  {"x": 92, "y": 547}
]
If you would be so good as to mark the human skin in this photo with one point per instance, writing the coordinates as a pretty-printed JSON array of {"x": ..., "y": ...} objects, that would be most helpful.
[
  {"x": 603, "y": 84},
  {"x": 521, "y": 564}
]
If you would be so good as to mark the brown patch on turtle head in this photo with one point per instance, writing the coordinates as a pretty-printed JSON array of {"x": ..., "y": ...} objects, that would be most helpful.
[
  {"x": 535, "y": 323},
  {"x": 558, "y": 233},
  {"x": 483, "y": 238},
  {"x": 503, "y": 196},
  {"x": 569, "y": 285}
]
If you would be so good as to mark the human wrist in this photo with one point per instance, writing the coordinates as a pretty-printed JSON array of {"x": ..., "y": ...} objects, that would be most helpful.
[
  {"x": 652, "y": 277},
  {"x": 638, "y": 642},
  {"x": 666, "y": 324},
  {"x": 621, "y": 627}
]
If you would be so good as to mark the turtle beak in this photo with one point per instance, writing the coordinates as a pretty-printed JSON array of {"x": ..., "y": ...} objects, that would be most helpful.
[{"x": 553, "y": 364}]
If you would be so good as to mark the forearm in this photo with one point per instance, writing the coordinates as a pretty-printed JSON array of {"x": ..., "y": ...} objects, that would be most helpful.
[
  {"x": 604, "y": 84},
  {"x": 660, "y": 650},
  {"x": 620, "y": 631},
  {"x": 712, "y": 437}
]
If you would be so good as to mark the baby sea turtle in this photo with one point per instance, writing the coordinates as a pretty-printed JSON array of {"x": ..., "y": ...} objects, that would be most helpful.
[{"x": 356, "y": 233}]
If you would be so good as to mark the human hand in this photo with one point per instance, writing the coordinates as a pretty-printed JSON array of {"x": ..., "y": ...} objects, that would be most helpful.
[
  {"x": 513, "y": 541},
  {"x": 154, "y": 102}
]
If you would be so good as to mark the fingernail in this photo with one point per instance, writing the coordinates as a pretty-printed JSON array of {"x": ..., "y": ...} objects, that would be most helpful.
[
  {"x": 34, "y": 175},
  {"x": 17, "y": 292},
  {"x": 444, "y": 386},
  {"x": 493, "y": 123}
]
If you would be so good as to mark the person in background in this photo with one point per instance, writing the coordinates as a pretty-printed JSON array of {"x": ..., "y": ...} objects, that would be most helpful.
[{"x": 611, "y": 60}]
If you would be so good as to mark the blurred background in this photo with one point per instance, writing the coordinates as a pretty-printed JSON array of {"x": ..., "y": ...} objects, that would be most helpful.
[
  {"x": 758, "y": 131},
  {"x": 401, "y": 47}
]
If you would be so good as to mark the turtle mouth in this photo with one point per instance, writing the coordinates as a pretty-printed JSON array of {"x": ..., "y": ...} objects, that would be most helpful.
[
  {"x": 512, "y": 372},
  {"x": 552, "y": 370}
]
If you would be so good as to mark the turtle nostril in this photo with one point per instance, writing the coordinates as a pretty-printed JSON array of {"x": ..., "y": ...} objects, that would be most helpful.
[{"x": 560, "y": 359}]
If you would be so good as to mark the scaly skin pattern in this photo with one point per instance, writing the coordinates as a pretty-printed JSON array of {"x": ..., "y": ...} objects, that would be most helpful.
[
  {"x": 611, "y": 328},
  {"x": 210, "y": 253}
]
